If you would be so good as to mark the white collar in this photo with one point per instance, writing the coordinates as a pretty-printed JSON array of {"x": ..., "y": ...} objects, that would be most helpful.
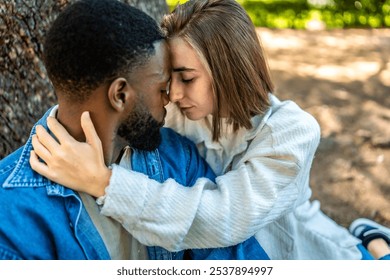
[{"x": 53, "y": 112}]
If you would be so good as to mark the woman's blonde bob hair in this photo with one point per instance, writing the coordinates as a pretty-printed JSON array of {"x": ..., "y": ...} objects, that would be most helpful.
[{"x": 226, "y": 40}]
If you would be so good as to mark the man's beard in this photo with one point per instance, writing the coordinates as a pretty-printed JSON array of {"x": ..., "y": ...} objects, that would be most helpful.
[{"x": 141, "y": 130}]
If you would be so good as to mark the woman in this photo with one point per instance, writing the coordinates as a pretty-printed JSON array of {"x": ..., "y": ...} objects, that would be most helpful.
[{"x": 261, "y": 148}]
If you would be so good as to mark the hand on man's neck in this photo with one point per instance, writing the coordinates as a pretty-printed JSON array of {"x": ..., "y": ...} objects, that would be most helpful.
[{"x": 69, "y": 116}]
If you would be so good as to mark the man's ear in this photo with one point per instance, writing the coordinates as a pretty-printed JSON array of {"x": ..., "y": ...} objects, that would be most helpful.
[{"x": 120, "y": 93}]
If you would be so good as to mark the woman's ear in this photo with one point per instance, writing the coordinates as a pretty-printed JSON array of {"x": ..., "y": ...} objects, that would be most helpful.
[{"x": 120, "y": 93}]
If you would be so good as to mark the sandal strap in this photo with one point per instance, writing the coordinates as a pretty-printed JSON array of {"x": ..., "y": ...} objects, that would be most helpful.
[{"x": 369, "y": 237}]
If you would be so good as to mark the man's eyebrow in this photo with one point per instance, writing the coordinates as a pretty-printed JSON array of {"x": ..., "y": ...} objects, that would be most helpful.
[{"x": 182, "y": 69}]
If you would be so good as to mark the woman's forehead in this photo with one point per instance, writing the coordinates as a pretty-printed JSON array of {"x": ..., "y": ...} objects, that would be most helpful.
[{"x": 183, "y": 56}]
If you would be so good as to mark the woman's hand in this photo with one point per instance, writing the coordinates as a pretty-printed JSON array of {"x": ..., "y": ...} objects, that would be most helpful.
[{"x": 77, "y": 165}]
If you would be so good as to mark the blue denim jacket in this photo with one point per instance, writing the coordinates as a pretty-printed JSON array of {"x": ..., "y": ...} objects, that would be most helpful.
[{"x": 44, "y": 220}]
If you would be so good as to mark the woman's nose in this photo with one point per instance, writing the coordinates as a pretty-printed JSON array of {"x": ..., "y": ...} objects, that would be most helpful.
[{"x": 175, "y": 92}]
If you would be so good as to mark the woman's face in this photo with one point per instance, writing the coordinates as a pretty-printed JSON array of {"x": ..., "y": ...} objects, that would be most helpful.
[{"x": 191, "y": 87}]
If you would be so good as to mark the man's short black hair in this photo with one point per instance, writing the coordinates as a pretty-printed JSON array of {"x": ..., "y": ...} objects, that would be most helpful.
[{"x": 95, "y": 41}]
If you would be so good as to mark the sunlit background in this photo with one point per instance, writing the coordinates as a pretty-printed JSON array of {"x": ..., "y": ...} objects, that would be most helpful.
[{"x": 309, "y": 14}]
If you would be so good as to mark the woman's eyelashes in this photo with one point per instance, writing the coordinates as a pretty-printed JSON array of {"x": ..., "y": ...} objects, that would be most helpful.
[{"x": 186, "y": 81}]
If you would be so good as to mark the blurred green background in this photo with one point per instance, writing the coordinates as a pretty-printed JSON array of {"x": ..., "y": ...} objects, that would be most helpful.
[{"x": 315, "y": 14}]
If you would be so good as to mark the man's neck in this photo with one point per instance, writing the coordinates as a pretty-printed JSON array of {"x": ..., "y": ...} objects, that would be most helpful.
[{"x": 70, "y": 118}]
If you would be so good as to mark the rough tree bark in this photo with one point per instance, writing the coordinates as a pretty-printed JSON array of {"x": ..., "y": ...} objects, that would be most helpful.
[{"x": 25, "y": 91}]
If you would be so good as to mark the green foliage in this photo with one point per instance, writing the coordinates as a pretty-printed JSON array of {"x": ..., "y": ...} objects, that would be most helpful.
[
  {"x": 332, "y": 13},
  {"x": 300, "y": 14},
  {"x": 172, "y": 3}
]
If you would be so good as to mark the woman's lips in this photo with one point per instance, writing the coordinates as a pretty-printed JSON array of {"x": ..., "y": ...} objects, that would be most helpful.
[{"x": 184, "y": 109}]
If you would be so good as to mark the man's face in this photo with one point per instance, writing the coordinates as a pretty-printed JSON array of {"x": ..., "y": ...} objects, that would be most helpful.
[{"x": 141, "y": 129}]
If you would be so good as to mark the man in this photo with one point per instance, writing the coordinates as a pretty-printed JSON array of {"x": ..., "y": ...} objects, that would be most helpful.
[{"x": 111, "y": 60}]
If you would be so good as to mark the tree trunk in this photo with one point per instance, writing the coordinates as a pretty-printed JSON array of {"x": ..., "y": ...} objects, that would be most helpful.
[{"x": 25, "y": 91}]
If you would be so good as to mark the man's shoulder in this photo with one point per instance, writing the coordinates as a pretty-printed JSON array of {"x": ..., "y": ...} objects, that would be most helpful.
[
  {"x": 176, "y": 146},
  {"x": 169, "y": 132},
  {"x": 180, "y": 157},
  {"x": 170, "y": 138}
]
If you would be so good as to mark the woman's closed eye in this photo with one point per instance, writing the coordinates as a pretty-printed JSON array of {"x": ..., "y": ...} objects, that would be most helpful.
[{"x": 186, "y": 81}]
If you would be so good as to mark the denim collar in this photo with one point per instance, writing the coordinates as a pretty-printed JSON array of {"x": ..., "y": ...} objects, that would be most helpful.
[{"x": 23, "y": 176}]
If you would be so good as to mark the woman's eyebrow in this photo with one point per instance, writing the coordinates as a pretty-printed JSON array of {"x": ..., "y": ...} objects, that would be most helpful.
[{"x": 182, "y": 69}]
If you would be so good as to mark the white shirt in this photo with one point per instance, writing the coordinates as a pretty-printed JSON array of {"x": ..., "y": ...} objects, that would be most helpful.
[{"x": 263, "y": 191}]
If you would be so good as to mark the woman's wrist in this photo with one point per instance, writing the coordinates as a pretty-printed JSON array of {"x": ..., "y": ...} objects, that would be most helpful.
[{"x": 103, "y": 180}]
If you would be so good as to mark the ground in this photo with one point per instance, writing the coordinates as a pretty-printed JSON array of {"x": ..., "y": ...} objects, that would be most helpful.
[{"x": 341, "y": 77}]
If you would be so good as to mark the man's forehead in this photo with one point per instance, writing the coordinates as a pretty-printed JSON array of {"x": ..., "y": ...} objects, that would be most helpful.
[
  {"x": 158, "y": 73},
  {"x": 162, "y": 77},
  {"x": 159, "y": 66}
]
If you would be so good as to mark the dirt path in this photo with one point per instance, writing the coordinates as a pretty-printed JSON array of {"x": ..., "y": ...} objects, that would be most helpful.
[{"x": 342, "y": 78}]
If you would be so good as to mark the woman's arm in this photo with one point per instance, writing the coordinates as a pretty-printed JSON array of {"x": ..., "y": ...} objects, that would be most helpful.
[
  {"x": 265, "y": 184},
  {"x": 269, "y": 181}
]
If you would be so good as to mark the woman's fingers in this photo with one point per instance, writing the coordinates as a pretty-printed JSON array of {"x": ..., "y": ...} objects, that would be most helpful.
[
  {"x": 38, "y": 165},
  {"x": 58, "y": 130},
  {"x": 40, "y": 149},
  {"x": 44, "y": 143},
  {"x": 77, "y": 165},
  {"x": 90, "y": 133}
]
